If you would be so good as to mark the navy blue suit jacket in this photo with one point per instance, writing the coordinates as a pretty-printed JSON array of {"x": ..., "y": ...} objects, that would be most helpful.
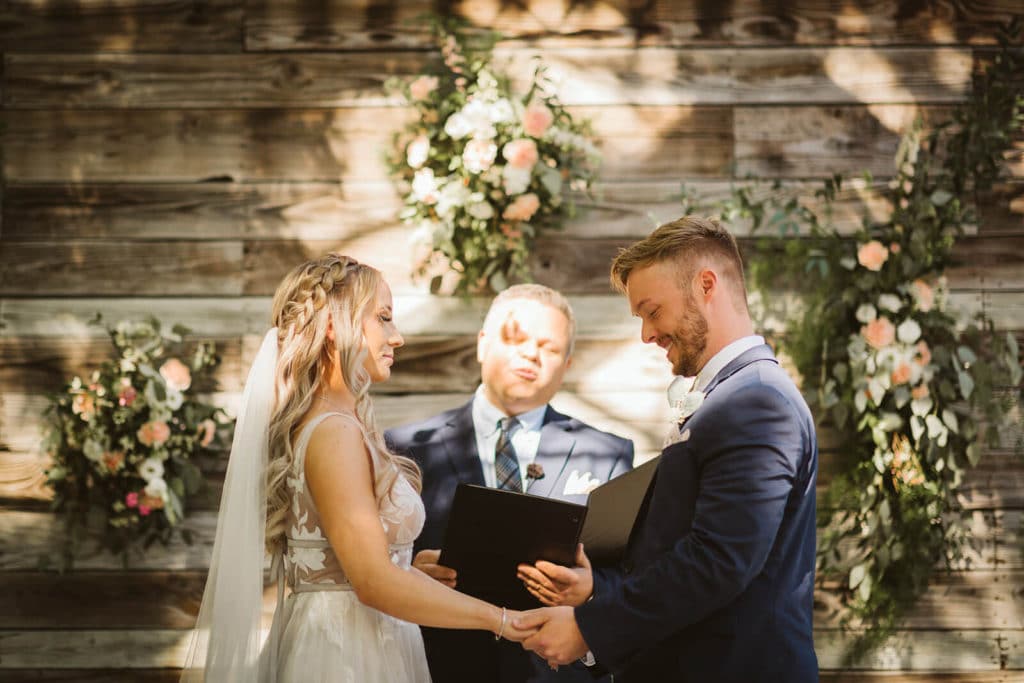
[
  {"x": 719, "y": 576},
  {"x": 444, "y": 447}
]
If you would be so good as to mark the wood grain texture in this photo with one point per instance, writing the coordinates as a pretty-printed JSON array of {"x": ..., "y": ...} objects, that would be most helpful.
[
  {"x": 344, "y": 210},
  {"x": 318, "y": 144},
  {"x": 598, "y": 316},
  {"x": 256, "y": 267},
  {"x": 801, "y": 142},
  {"x": 121, "y": 26},
  {"x": 348, "y": 24},
  {"x": 586, "y": 76}
]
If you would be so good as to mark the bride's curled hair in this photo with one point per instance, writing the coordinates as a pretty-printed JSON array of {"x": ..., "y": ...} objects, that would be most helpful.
[{"x": 336, "y": 288}]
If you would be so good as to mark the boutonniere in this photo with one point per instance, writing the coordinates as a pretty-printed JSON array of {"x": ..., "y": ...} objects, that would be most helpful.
[
  {"x": 684, "y": 398},
  {"x": 534, "y": 472}
]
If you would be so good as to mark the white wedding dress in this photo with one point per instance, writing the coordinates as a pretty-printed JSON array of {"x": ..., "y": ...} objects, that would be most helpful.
[{"x": 325, "y": 633}]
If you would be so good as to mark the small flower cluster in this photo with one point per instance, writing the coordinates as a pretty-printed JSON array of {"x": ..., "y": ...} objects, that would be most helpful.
[
  {"x": 483, "y": 168},
  {"x": 122, "y": 441}
]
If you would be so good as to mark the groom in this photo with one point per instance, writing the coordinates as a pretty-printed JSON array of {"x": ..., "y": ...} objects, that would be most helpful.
[
  {"x": 524, "y": 348},
  {"x": 718, "y": 580}
]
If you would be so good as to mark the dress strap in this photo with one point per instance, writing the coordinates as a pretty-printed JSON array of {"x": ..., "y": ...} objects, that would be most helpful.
[{"x": 307, "y": 433}]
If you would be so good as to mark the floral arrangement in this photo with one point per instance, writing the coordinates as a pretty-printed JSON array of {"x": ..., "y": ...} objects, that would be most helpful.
[
  {"x": 483, "y": 168},
  {"x": 122, "y": 441},
  {"x": 913, "y": 390}
]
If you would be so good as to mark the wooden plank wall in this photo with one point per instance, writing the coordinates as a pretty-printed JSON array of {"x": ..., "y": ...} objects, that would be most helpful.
[{"x": 177, "y": 158}]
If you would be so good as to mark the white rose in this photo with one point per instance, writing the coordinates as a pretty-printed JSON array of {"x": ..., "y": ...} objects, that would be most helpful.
[
  {"x": 889, "y": 302},
  {"x": 516, "y": 180},
  {"x": 151, "y": 468},
  {"x": 457, "y": 126},
  {"x": 909, "y": 331},
  {"x": 424, "y": 186},
  {"x": 157, "y": 488},
  {"x": 866, "y": 313},
  {"x": 481, "y": 209},
  {"x": 417, "y": 151},
  {"x": 502, "y": 112}
]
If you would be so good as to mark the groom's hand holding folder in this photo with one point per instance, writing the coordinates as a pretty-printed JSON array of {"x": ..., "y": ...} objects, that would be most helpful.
[{"x": 519, "y": 549}]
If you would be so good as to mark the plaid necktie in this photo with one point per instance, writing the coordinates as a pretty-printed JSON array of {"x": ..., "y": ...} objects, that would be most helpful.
[{"x": 506, "y": 464}]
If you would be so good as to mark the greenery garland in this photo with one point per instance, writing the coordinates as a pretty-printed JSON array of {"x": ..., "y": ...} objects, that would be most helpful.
[{"x": 912, "y": 391}]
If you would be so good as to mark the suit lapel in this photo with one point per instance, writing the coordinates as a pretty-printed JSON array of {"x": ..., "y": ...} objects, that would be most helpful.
[
  {"x": 761, "y": 352},
  {"x": 459, "y": 440},
  {"x": 553, "y": 452}
]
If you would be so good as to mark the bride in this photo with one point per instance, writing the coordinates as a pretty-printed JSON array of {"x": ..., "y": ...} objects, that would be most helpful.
[{"x": 311, "y": 483}]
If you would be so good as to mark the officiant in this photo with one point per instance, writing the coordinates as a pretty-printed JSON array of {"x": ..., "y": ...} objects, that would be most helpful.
[{"x": 507, "y": 437}]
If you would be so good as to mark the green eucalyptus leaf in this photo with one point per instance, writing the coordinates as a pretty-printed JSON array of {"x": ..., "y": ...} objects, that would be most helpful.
[
  {"x": 857, "y": 575},
  {"x": 949, "y": 418},
  {"x": 966, "y": 355},
  {"x": 940, "y": 197},
  {"x": 864, "y": 589},
  {"x": 966, "y": 383},
  {"x": 973, "y": 453}
]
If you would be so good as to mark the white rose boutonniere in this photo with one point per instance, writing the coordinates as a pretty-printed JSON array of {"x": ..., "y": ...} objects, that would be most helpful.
[{"x": 684, "y": 398}]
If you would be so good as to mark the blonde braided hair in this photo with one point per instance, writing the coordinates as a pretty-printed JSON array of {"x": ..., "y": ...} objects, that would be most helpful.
[{"x": 333, "y": 288}]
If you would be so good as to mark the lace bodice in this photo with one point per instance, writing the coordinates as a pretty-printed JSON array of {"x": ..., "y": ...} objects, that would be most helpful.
[{"x": 310, "y": 563}]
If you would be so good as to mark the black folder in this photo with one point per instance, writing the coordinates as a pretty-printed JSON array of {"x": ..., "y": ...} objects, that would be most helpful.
[
  {"x": 491, "y": 531},
  {"x": 612, "y": 509}
]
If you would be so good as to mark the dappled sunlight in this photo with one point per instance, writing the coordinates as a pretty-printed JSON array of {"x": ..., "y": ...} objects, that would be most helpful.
[
  {"x": 545, "y": 16},
  {"x": 846, "y": 67}
]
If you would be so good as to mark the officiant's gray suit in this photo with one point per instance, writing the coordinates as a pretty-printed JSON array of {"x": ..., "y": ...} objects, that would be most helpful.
[{"x": 445, "y": 448}]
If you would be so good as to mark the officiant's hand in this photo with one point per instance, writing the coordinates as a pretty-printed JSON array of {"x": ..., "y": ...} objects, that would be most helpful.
[
  {"x": 555, "y": 585},
  {"x": 426, "y": 562},
  {"x": 559, "y": 640}
]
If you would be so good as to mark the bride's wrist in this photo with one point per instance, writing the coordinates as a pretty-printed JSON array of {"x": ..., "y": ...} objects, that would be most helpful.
[{"x": 503, "y": 618}]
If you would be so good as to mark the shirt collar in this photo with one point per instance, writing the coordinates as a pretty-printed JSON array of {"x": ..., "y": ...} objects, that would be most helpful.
[
  {"x": 729, "y": 353},
  {"x": 486, "y": 413}
]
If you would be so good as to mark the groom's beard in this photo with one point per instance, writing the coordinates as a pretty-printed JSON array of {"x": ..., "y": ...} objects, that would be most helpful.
[{"x": 689, "y": 340}]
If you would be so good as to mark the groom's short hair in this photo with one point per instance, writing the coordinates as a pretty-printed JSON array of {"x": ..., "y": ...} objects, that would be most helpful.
[
  {"x": 688, "y": 241},
  {"x": 540, "y": 294}
]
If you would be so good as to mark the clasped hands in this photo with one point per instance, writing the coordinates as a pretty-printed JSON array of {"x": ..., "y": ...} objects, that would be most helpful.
[{"x": 550, "y": 631}]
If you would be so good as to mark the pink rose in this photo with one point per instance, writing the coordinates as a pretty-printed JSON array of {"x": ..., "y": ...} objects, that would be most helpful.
[
  {"x": 127, "y": 395},
  {"x": 522, "y": 208},
  {"x": 84, "y": 406},
  {"x": 131, "y": 499},
  {"x": 521, "y": 153},
  {"x": 924, "y": 354},
  {"x": 176, "y": 374},
  {"x": 879, "y": 333},
  {"x": 479, "y": 155},
  {"x": 143, "y": 510},
  {"x": 536, "y": 120},
  {"x": 113, "y": 460},
  {"x": 872, "y": 255},
  {"x": 207, "y": 430},
  {"x": 901, "y": 375},
  {"x": 153, "y": 433},
  {"x": 422, "y": 86},
  {"x": 924, "y": 295},
  {"x": 895, "y": 247}
]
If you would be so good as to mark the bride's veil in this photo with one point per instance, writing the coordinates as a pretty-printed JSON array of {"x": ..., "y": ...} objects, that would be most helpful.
[{"x": 225, "y": 645}]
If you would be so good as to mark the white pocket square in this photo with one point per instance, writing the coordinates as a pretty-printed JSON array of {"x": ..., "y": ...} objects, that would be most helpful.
[{"x": 578, "y": 484}]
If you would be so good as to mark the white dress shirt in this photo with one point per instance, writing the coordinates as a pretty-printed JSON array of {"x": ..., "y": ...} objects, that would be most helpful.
[
  {"x": 525, "y": 440},
  {"x": 726, "y": 355}
]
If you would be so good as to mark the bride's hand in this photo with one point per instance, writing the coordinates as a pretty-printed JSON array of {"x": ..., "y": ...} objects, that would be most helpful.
[{"x": 512, "y": 633}]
